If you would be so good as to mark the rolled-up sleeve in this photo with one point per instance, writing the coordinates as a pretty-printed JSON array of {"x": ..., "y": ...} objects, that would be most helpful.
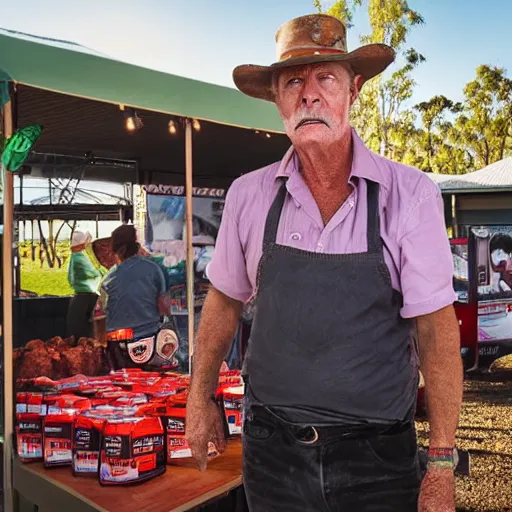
[
  {"x": 227, "y": 271},
  {"x": 426, "y": 272}
]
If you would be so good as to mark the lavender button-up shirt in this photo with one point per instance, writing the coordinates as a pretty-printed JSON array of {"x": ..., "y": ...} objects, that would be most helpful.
[{"x": 416, "y": 247}]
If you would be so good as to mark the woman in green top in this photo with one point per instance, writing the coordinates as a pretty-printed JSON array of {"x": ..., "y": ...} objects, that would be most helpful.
[{"x": 84, "y": 278}]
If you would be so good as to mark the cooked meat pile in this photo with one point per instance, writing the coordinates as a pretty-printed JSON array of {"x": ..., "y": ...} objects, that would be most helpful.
[
  {"x": 59, "y": 358},
  {"x": 485, "y": 430}
]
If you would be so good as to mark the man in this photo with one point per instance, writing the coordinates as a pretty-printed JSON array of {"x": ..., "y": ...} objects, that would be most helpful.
[
  {"x": 84, "y": 278},
  {"x": 346, "y": 253}
]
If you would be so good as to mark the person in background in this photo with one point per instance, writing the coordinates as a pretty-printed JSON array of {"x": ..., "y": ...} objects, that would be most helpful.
[
  {"x": 84, "y": 278},
  {"x": 133, "y": 295}
]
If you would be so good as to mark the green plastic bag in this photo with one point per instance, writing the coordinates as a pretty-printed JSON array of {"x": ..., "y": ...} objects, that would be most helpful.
[{"x": 18, "y": 147}]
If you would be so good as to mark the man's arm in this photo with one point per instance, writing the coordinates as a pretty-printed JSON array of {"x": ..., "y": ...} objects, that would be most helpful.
[
  {"x": 441, "y": 366},
  {"x": 217, "y": 329}
]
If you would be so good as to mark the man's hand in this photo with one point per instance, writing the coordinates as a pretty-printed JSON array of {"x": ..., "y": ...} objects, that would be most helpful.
[
  {"x": 204, "y": 424},
  {"x": 437, "y": 492}
]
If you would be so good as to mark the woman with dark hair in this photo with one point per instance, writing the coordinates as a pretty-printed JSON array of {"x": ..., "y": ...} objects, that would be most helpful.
[{"x": 134, "y": 300}]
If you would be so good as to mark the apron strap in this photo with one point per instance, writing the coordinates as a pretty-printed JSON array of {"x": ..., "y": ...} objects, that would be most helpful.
[
  {"x": 274, "y": 214},
  {"x": 373, "y": 226}
]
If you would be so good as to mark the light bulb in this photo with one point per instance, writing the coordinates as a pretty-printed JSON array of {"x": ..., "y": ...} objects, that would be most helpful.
[
  {"x": 196, "y": 125},
  {"x": 268, "y": 135},
  {"x": 172, "y": 127},
  {"x": 132, "y": 121},
  {"x": 130, "y": 124}
]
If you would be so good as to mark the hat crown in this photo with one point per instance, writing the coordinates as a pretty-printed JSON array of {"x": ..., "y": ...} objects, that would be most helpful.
[
  {"x": 79, "y": 238},
  {"x": 313, "y": 34}
]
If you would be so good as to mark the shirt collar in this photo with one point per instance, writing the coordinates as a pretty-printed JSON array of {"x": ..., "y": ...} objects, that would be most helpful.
[{"x": 365, "y": 164}]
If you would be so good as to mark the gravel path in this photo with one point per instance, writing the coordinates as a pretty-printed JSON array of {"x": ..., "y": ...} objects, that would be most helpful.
[{"x": 485, "y": 429}]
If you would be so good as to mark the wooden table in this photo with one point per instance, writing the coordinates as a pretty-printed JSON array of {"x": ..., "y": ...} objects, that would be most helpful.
[{"x": 179, "y": 489}]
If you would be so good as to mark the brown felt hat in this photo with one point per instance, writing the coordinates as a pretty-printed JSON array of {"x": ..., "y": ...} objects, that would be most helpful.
[{"x": 307, "y": 40}]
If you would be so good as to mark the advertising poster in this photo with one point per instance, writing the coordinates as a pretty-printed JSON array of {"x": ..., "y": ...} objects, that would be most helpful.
[
  {"x": 459, "y": 249},
  {"x": 160, "y": 223},
  {"x": 493, "y": 274},
  {"x": 165, "y": 236}
]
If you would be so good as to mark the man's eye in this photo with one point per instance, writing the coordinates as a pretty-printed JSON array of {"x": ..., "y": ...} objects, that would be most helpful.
[
  {"x": 294, "y": 81},
  {"x": 325, "y": 77}
]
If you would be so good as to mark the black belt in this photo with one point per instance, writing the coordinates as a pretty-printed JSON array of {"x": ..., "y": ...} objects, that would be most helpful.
[{"x": 263, "y": 418}]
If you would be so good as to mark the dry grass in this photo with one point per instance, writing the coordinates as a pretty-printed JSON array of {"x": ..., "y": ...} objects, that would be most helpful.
[{"x": 485, "y": 429}]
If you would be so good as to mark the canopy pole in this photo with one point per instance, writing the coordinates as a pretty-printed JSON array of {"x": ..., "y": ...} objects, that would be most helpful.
[
  {"x": 7, "y": 294},
  {"x": 189, "y": 234}
]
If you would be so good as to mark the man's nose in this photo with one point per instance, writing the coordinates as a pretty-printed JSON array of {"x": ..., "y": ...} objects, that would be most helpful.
[{"x": 310, "y": 94}]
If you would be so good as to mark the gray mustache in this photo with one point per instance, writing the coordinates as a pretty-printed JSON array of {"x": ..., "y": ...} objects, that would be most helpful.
[{"x": 309, "y": 119}]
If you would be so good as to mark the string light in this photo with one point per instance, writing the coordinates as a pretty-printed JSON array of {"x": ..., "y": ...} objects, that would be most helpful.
[
  {"x": 131, "y": 120},
  {"x": 268, "y": 135},
  {"x": 196, "y": 125},
  {"x": 172, "y": 127}
]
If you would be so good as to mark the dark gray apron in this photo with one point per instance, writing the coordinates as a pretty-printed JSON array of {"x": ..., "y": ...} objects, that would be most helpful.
[{"x": 328, "y": 344}]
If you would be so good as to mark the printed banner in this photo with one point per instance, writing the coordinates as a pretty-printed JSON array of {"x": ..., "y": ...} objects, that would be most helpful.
[
  {"x": 493, "y": 273},
  {"x": 459, "y": 249}
]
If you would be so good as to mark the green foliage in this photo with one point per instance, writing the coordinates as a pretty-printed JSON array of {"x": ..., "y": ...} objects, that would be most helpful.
[
  {"x": 380, "y": 113},
  {"x": 484, "y": 126},
  {"x": 436, "y": 135}
]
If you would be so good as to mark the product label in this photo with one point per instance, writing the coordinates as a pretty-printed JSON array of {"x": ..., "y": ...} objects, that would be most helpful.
[
  {"x": 40, "y": 409},
  {"x": 147, "y": 460},
  {"x": 233, "y": 416},
  {"x": 177, "y": 448},
  {"x": 118, "y": 470},
  {"x": 57, "y": 451},
  {"x": 27, "y": 426},
  {"x": 175, "y": 426},
  {"x": 30, "y": 446},
  {"x": 85, "y": 461},
  {"x": 113, "y": 446},
  {"x": 57, "y": 444},
  {"x": 147, "y": 444}
]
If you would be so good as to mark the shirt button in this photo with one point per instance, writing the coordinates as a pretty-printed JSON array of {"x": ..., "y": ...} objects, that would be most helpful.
[
  {"x": 351, "y": 203},
  {"x": 296, "y": 236},
  {"x": 320, "y": 246}
]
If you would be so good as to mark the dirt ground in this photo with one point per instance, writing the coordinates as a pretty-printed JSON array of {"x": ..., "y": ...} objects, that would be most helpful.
[{"x": 485, "y": 429}]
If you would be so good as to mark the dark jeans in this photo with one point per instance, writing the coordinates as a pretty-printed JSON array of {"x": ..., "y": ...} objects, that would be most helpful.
[
  {"x": 343, "y": 471},
  {"x": 79, "y": 318}
]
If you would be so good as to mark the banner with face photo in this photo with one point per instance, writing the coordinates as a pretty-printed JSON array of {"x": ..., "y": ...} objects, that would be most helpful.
[{"x": 492, "y": 247}]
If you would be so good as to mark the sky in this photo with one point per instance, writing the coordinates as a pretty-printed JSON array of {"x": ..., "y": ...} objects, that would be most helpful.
[{"x": 206, "y": 39}]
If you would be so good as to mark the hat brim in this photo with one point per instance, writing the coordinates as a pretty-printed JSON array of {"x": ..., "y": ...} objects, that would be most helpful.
[{"x": 367, "y": 61}]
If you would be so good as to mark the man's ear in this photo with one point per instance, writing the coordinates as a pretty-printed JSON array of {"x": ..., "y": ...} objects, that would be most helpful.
[{"x": 356, "y": 89}]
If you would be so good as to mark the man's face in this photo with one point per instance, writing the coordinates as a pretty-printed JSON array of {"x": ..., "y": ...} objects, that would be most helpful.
[{"x": 314, "y": 101}]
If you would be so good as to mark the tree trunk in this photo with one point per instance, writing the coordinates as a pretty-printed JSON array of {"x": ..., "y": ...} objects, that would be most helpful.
[{"x": 43, "y": 240}]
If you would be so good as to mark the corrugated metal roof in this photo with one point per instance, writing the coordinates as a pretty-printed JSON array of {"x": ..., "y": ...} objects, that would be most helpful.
[
  {"x": 439, "y": 178},
  {"x": 497, "y": 176}
]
